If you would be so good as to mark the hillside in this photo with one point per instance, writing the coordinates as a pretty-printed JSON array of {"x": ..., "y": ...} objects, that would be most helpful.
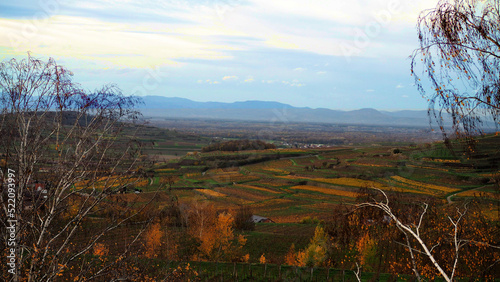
[
  {"x": 299, "y": 188},
  {"x": 166, "y": 107}
]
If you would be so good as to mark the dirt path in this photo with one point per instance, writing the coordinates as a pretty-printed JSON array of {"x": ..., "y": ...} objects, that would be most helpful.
[{"x": 453, "y": 195}]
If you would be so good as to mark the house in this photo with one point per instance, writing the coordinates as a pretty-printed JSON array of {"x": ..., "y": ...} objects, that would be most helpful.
[
  {"x": 35, "y": 196},
  {"x": 259, "y": 219}
]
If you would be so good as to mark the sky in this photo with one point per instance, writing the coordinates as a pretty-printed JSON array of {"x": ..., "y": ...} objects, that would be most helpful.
[{"x": 333, "y": 54}]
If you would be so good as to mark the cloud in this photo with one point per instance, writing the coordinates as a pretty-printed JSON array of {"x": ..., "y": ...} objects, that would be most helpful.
[
  {"x": 107, "y": 43},
  {"x": 250, "y": 79},
  {"x": 230, "y": 77},
  {"x": 321, "y": 72},
  {"x": 149, "y": 33},
  {"x": 208, "y": 81},
  {"x": 400, "y": 86},
  {"x": 299, "y": 69},
  {"x": 293, "y": 83},
  {"x": 370, "y": 90}
]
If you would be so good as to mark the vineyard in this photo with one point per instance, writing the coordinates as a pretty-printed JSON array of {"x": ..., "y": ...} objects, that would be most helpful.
[
  {"x": 295, "y": 191},
  {"x": 288, "y": 183}
]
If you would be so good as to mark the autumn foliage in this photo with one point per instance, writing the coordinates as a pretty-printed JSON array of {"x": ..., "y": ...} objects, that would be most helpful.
[{"x": 368, "y": 237}]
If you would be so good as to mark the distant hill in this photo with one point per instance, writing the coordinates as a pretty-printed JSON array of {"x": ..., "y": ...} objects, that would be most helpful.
[
  {"x": 159, "y": 102},
  {"x": 166, "y": 107}
]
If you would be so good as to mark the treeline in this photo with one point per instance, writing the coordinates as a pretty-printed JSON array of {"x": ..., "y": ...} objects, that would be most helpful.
[{"x": 238, "y": 145}]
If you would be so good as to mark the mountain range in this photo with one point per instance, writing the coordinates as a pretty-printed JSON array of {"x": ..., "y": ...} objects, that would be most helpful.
[{"x": 174, "y": 107}]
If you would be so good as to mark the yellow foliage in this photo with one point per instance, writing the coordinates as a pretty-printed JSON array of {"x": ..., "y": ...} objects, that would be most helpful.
[
  {"x": 315, "y": 253},
  {"x": 373, "y": 165},
  {"x": 329, "y": 191},
  {"x": 430, "y": 188},
  {"x": 113, "y": 181},
  {"x": 441, "y": 160},
  {"x": 164, "y": 169},
  {"x": 476, "y": 193},
  {"x": 257, "y": 188},
  {"x": 210, "y": 193}
]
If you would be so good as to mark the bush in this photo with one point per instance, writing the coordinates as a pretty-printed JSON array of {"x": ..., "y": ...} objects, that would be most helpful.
[{"x": 309, "y": 220}]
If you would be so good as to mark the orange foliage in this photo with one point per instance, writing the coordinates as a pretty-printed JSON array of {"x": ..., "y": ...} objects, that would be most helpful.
[
  {"x": 100, "y": 249},
  {"x": 291, "y": 256},
  {"x": 215, "y": 233},
  {"x": 365, "y": 248},
  {"x": 153, "y": 240},
  {"x": 262, "y": 259}
]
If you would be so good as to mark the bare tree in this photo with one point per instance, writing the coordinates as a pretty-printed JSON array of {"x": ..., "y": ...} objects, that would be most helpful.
[
  {"x": 63, "y": 154},
  {"x": 418, "y": 242},
  {"x": 459, "y": 56}
]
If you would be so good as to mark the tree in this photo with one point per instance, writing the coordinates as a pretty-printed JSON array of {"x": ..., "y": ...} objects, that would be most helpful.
[
  {"x": 315, "y": 253},
  {"x": 63, "y": 155},
  {"x": 437, "y": 246},
  {"x": 460, "y": 58},
  {"x": 153, "y": 240},
  {"x": 215, "y": 233},
  {"x": 242, "y": 219}
]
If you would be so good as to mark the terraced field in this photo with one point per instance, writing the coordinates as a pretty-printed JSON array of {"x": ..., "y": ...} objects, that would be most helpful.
[
  {"x": 299, "y": 191},
  {"x": 290, "y": 188}
]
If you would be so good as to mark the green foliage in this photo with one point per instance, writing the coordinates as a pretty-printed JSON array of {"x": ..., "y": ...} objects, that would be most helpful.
[
  {"x": 315, "y": 253},
  {"x": 309, "y": 220}
]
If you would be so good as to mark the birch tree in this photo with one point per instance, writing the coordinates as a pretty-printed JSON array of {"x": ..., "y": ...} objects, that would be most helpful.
[
  {"x": 62, "y": 145},
  {"x": 457, "y": 66},
  {"x": 456, "y": 239}
]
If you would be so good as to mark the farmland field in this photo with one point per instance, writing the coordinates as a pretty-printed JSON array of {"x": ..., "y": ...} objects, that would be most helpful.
[
  {"x": 280, "y": 181},
  {"x": 296, "y": 190}
]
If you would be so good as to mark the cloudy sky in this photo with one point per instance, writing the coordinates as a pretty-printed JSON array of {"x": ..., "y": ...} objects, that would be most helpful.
[{"x": 334, "y": 54}]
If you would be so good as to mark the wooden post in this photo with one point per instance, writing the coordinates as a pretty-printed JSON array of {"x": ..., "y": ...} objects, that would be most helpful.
[
  {"x": 328, "y": 274},
  {"x": 279, "y": 272}
]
